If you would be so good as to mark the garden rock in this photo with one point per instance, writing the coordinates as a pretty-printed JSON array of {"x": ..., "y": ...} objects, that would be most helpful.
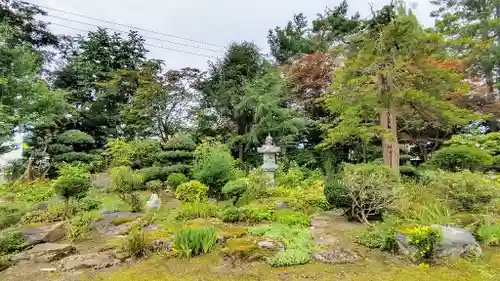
[
  {"x": 89, "y": 261},
  {"x": 336, "y": 256},
  {"x": 271, "y": 245},
  {"x": 455, "y": 241},
  {"x": 161, "y": 245},
  {"x": 47, "y": 252},
  {"x": 106, "y": 225},
  {"x": 281, "y": 206},
  {"x": 47, "y": 233}
]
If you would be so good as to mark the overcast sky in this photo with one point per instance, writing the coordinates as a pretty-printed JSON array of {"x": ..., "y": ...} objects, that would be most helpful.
[{"x": 216, "y": 21}]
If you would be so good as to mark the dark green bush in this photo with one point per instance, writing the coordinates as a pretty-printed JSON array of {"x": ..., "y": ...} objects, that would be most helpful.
[
  {"x": 335, "y": 192},
  {"x": 235, "y": 189},
  {"x": 86, "y": 204},
  {"x": 73, "y": 156},
  {"x": 409, "y": 172},
  {"x": 154, "y": 173},
  {"x": 195, "y": 241},
  {"x": 11, "y": 242},
  {"x": 213, "y": 166},
  {"x": 176, "y": 179},
  {"x": 457, "y": 158},
  {"x": 73, "y": 182},
  {"x": 259, "y": 185}
]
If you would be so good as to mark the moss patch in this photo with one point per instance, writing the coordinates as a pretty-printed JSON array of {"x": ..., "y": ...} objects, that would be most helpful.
[{"x": 245, "y": 248}]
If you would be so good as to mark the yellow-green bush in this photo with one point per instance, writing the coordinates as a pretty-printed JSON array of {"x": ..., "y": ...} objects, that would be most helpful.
[
  {"x": 425, "y": 239},
  {"x": 465, "y": 191},
  {"x": 192, "y": 191},
  {"x": 194, "y": 210}
]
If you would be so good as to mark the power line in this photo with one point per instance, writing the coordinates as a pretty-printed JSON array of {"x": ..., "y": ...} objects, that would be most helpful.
[
  {"x": 127, "y": 26},
  {"x": 145, "y": 44},
  {"x": 152, "y": 38}
]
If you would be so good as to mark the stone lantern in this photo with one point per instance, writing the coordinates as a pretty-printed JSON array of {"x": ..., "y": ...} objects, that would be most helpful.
[{"x": 269, "y": 152}]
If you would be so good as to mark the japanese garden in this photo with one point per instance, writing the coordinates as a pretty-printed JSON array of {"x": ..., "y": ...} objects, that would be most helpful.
[{"x": 358, "y": 148}]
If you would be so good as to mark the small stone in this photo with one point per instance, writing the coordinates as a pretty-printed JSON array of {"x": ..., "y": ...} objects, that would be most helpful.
[
  {"x": 281, "y": 206},
  {"x": 161, "y": 245},
  {"x": 113, "y": 224},
  {"x": 50, "y": 269},
  {"x": 47, "y": 252},
  {"x": 47, "y": 233},
  {"x": 336, "y": 256},
  {"x": 271, "y": 245}
]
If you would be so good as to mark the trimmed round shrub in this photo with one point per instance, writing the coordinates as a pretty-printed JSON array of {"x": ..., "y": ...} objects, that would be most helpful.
[
  {"x": 176, "y": 179},
  {"x": 193, "y": 191},
  {"x": 457, "y": 158},
  {"x": 125, "y": 183},
  {"x": 73, "y": 182},
  {"x": 408, "y": 171},
  {"x": 235, "y": 189},
  {"x": 154, "y": 173},
  {"x": 155, "y": 186}
]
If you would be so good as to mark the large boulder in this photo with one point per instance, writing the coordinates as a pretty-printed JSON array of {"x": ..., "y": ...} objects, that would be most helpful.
[
  {"x": 47, "y": 252},
  {"x": 455, "y": 241},
  {"x": 47, "y": 233},
  {"x": 89, "y": 261},
  {"x": 336, "y": 256},
  {"x": 114, "y": 224}
]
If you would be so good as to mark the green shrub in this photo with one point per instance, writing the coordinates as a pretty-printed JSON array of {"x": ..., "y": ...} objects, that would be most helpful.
[
  {"x": 431, "y": 213},
  {"x": 5, "y": 263},
  {"x": 54, "y": 213},
  {"x": 11, "y": 242},
  {"x": 73, "y": 182},
  {"x": 154, "y": 173},
  {"x": 195, "y": 241},
  {"x": 176, "y": 179},
  {"x": 86, "y": 204},
  {"x": 247, "y": 214},
  {"x": 28, "y": 192},
  {"x": 196, "y": 210},
  {"x": 135, "y": 243},
  {"x": 235, "y": 189},
  {"x": 193, "y": 191},
  {"x": 298, "y": 242},
  {"x": 10, "y": 215},
  {"x": 336, "y": 193},
  {"x": 259, "y": 185},
  {"x": 425, "y": 239},
  {"x": 213, "y": 166},
  {"x": 290, "y": 217},
  {"x": 455, "y": 158},
  {"x": 370, "y": 189},
  {"x": 15, "y": 169},
  {"x": 489, "y": 233},
  {"x": 292, "y": 178},
  {"x": 155, "y": 186},
  {"x": 409, "y": 171},
  {"x": 79, "y": 226},
  {"x": 125, "y": 183},
  {"x": 381, "y": 235},
  {"x": 465, "y": 191}
]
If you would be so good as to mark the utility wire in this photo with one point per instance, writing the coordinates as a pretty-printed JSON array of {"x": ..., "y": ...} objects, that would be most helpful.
[
  {"x": 152, "y": 38},
  {"x": 145, "y": 44},
  {"x": 126, "y": 25}
]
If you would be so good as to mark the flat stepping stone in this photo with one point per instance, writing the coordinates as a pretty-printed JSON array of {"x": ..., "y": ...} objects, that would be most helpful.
[
  {"x": 336, "y": 256},
  {"x": 326, "y": 240},
  {"x": 47, "y": 252},
  {"x": 89, "y": 261}
]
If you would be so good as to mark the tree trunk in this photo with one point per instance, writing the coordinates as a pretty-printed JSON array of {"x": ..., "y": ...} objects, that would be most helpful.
[
  {"x": 394, "y": 139},
  {"x": 384, "y": 123}
]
